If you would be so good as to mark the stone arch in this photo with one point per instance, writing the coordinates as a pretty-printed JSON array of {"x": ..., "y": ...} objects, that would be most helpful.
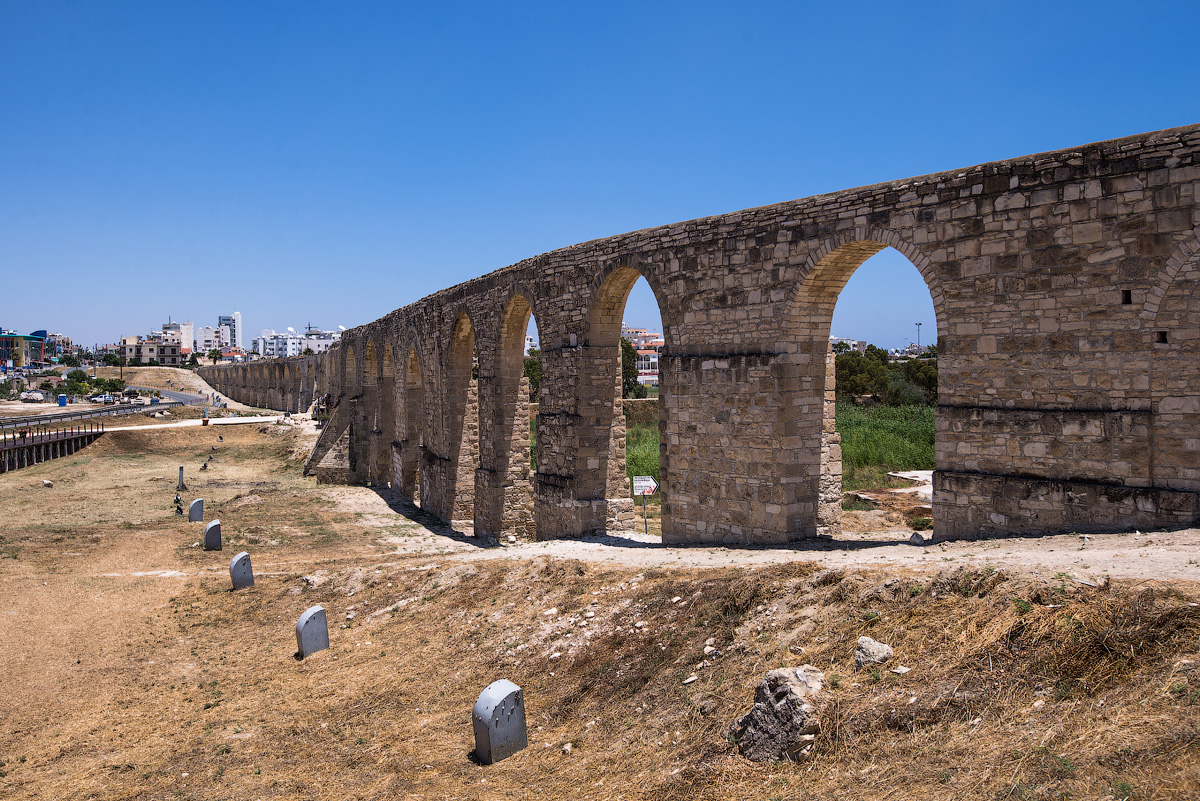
[
  {"x": 1175, "y": 376},
  {"x": 349, "y": 374},
  {"x": 816, "y": 445},
  {"x": 610, "y": 291},
  {"x": 385, "y": 417},
  {"x": 461, "y": 421},
  {"x": 504, "y": 490},
  {"x": 412, "y": 443},
  {"x": 600, "y": 468},
  {"x": 366, "y": 417},
  {"x": 831, "y": 264},
  {"x": 1183, "y": 255}
]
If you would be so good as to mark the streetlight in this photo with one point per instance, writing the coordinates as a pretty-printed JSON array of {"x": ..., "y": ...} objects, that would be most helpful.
[{"x": 918, "y": 336}]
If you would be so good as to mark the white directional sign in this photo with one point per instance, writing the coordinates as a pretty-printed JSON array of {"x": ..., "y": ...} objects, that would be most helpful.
[{"x": 644, "y": 485}]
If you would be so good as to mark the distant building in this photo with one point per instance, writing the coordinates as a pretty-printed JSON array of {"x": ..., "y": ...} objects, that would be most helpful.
[
  {"x": 647, "y": 363},
  {"x": 234, "y": 322},
  {"x": 18, "y": 351},
  {"x": 859, "y": 345},
  {"x": 151, "y": 348},
  {"x": 231, "y": 355},
  {"x": 641, "y": 338},
  {"x": 278, "y": 346},
  {"x": 58, "y": 345},
  {"x": 319, "y": 340},
  {"x": 208, "y": 338},
  {"x": 272, "y": 344},
  {"x": 182, "y": 333}
]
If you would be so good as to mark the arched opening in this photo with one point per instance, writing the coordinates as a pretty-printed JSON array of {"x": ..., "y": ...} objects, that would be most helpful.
[
  {"x": 462, "y": 417},
  {"x": 385, "y": 420},
  {"x": 507, "y": 459},
  {"x": 1175, "y": 374},
  {"x": 867, "y": 324},
  {"x": 367, "y": 432},
  {"x": 412, "y": 430},
  {"x": 617, "y": 390}
]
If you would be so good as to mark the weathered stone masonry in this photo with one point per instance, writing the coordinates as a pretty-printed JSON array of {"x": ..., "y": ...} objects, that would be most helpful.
[{"x": 1067, "y": 292}]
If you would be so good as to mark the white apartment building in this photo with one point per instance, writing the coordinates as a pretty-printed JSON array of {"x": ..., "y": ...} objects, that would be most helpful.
[
  {"x": 208, "y": 338},
  {"x": 234, "y": 323},
  {"x": 182, "y": 334}
]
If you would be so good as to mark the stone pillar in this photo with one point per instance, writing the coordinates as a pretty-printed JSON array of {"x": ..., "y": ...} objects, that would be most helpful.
[
  {"x": 518, "y": 484},
  {"x": 467, "y": 460},
  {"x": 829, "y": 502}
]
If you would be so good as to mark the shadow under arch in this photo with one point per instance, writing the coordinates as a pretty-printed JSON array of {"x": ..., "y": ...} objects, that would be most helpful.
[
  {"x": 383, "y": 431},
  {"x": 452, "y": 495},
  {"x": 601, "y": 473},
  {"x": 816, "y": 445},
  {"x": 412, "y": 428}
]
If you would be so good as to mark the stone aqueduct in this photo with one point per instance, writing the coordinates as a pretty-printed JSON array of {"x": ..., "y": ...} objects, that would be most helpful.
[{"x": 1067, "y": 292}]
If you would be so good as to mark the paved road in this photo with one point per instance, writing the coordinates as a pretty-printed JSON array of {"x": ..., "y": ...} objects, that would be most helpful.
[{"x": 187, "y": 398}]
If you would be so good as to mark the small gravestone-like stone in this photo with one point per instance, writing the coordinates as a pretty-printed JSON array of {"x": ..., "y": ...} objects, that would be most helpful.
[
  {"x": 499, "y": 722},
  {"x": 312, "y": 632},
  {"x": 196, "y": 511},
  {"x": 180, "y": 484},
  {"x": 212, "y": 536},
  {"x": 240, "y": 571}
]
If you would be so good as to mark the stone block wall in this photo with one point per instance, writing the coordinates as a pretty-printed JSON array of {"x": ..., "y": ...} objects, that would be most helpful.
[{"x": 1065, "y": 289}]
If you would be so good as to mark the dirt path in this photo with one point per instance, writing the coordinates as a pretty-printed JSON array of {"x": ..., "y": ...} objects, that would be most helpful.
[{"x": 1132, "y": 555}]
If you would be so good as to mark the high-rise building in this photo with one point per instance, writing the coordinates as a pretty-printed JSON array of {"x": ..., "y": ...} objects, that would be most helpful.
[{"x": 234, "y": 321}]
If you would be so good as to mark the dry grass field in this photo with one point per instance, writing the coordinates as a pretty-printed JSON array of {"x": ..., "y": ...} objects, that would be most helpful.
[{"x": 131, "y": 671}]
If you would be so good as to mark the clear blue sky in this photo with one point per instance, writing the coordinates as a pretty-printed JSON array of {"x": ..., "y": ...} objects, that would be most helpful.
[{"x": 195, "y": 158}]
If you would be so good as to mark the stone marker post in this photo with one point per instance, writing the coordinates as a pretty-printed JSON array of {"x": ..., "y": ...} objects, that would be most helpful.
[
  {"x": 196, "y": 511},
  {"x": 312, "y": 632},
  {"x": 212, "y": 536},
  {"x": 179, "y": 486},
  {"x": 240, "y": 571},
  {"x": 499, "y": 722}
]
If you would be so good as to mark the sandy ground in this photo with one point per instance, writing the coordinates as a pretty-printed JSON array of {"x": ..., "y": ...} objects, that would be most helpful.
[{"x": 1133, "y": 555}]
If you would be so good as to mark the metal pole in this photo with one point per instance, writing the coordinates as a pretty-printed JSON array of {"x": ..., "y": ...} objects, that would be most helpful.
[{"x": 645, "y": 516}]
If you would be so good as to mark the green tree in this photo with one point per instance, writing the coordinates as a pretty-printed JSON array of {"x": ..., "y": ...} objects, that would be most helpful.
[
  {"x": 214, "y": 354},
  {"x": 878, "y": 354},
  {"x": 307, "y": 352},
  {"x": 112, "y": 359},
  {"x": 68, "y": 360},
  {"x": 78, "y": 376},
  {"x": 630, "y": 386},
  {"x": 193, "y": 361},
  {"x": 533, "y": 371},
  {"x": 841, "y": 347}
]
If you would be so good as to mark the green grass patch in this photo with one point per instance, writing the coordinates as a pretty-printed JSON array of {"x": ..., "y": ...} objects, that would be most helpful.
[
  {"x": 880, "y": 439},
  {"x": 641, "y": 450}
]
